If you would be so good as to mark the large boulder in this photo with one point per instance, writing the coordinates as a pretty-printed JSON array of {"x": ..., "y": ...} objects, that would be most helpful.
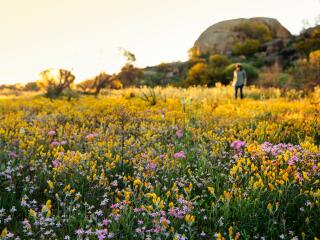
[{"x": 220, "y": 37}]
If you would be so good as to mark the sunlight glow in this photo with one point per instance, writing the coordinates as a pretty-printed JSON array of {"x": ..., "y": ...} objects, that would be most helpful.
[{"x": 84, "y": 36}]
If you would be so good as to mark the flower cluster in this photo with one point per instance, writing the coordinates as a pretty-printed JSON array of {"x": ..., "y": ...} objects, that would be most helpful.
[{"x": 115, "y": 168}]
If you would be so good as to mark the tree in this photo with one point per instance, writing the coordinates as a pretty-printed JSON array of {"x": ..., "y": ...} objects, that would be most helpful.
[
  {"x": 129, "y": 75},
  {"x": 97, "y": 83},
  {"x": 131, "y": 58},
  {"x": 54, "y": 82},
  {"x": 100, "y": 81}
]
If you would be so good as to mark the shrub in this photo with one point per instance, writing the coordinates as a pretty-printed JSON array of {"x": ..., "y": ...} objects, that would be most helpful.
[
  {"x": 307, "y": 71},
  {"x": 116, "y": 84},
  {"x": 31, "y": 86},
  {"x": 219, "y": 60},
  {"x": 216, "y": 69},
  {"x": 255, "y": 30},
  {"x": 197, "y": 75},
  {"x": 69, "y": 94},
  {"x": 308, "y": 41},
  {"x": 246, "y": 48},
  {"x": 269, "y": 76},
  {"x": 86, "y": 85}
]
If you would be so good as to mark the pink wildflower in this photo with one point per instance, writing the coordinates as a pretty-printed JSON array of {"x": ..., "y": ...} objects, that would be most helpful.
[
  {"x": 179, "y": 133},
  {"x": 180, "y": 154},
  {"x": 51, "y": 133}
]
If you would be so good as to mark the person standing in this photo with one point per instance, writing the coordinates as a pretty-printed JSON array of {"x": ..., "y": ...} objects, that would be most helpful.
[{"x": 239, "y": 80}]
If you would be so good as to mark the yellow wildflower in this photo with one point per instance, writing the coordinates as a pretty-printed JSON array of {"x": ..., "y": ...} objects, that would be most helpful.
[
  {"x": 4, "y": 232},
  {"x": 189, "y": 218},
  {"x": 136, "y": 182},
  {"x": 50, "y": 184},
  {"x": 230, "y": 231},
  {"x": 269, "y": 207},
  {"x": 32, "y": 213},
  {"x": 168, "y": 193},
  {"x": 67, "y": 188},
  {"x": 211, "y": 190},
  {"x": 285, "y": 176}
]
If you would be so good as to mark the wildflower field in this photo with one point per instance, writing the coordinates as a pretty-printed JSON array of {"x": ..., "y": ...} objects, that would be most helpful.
[{"x": 163, "y": 164}]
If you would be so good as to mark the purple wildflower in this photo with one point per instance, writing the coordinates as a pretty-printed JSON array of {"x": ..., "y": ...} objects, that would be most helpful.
[
  {"x": 237, "y": 144},
  {"x": 106, "y": 222},
  {"x": 80, "y": 232},
  {"x": 55, "y": 163},
  {"x": 101, "y": 234},
  {"x": 12, "y": 154},
  {"x": 55, "y": 143},
  {"x": 180, "y": 154},
  {"x": 151, "y": 166},
  {"x": 291, "y": 162}
]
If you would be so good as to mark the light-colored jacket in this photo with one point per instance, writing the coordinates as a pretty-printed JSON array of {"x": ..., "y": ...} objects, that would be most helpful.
[{"x": 239, "y": 78}]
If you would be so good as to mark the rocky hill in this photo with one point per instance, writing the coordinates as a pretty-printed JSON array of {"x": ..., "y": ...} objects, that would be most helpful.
[
  {"x": 262, "y": 44},
  {"x": 221, "y": 37}
]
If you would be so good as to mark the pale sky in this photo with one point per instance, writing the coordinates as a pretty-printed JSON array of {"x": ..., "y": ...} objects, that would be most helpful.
[{"x": 85, "y": 35}]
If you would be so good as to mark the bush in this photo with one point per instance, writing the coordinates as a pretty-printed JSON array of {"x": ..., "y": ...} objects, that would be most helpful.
[
  {"x": 269, "y": 76},
  {"x": 308, "y": 41},
  {"x": 197, "y": 75},
  {"x": 218, "y": 60},
  {"x": 246, "y": 48},
  {"x": 86, "y": 85},
  {"x": 69, "y": 94},
  {"x": 216, "y": 69},
  {"x": 285, "y": 80},
  {"x": 274, "y": 77},
  {"x": 116, "y": 84},
  {"x": 255, "y": 30},
  {"x": 252, "y": 72},
  {"x": 307, "y": 71},
  {"x": 31, "y": 86}
]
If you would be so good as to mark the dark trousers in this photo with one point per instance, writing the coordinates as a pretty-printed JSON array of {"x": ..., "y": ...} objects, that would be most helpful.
[{"x": 236, "y": 91}]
